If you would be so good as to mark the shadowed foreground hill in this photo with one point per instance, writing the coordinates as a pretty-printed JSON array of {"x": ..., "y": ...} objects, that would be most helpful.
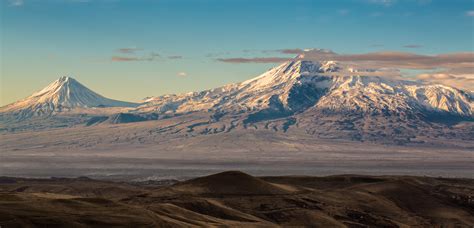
[
  {"x": 237, "y": 199},
  {"x": 231, "y": 182}
]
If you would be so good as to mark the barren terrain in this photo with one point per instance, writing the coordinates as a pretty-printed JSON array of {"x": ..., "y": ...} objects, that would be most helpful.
[{"x": 237, "y": 199}]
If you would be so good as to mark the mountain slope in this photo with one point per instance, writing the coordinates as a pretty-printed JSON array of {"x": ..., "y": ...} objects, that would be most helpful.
[
  {"x": 61, "y": 95},
  {"x": 298, "y": 85},
  {"x": 256, "y": 94},
  {"x": 326, "y": 99}
]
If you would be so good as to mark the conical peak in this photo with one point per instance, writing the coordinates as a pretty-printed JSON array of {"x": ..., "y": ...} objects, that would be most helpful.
[
  {"x": 65, "y": 93},
  {"x": 65, "y": 79},
  {"x": 289, "y": 73},
  {"x": 62, "y": 87},
  {"x": 64, "y": 83}
]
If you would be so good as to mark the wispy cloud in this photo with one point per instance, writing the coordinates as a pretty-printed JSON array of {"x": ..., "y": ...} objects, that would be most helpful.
[
  {"x": 276, "y": 59},
  {"x": 131, "y": 50},
  {"x": 403, "y": 59},
  {"x": 175, "y": 57},
  {"x": 291, "y": 51},
  {"x": 376, "y": 45},
  {"x": 379, "y": 59},
  {"x": 413, "y": 46},
  {"x": 285, "y": 51},
  {"x": 454, "y": 69},
  {"x": 134, "y": 54},
  {"x": 126, "y": 59},
  {"x": 182, "y": 74},
  {"x": 150, "y": 57},
  {"x": 22, "y": 2},
  {"x": 16, "y": 2},
  {"x": 253, "y": 60},
  {"x": 470, "y": 13},
  {"x": 463, "y": 81}
]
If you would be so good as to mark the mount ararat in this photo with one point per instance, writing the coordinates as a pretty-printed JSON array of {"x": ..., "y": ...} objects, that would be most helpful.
[{"x": 325, "y": 99}]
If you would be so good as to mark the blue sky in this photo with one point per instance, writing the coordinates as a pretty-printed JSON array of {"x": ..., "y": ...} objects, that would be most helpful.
[{"x": 172, "y": 45}]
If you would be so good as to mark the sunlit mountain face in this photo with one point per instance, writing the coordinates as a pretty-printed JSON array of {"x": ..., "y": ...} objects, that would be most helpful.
[
  {"x": 62, "y": 95},
  {"x": 317, "y": 97}
]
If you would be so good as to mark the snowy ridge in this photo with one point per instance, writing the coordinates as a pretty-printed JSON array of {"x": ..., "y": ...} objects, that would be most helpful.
[
  {"x": 61, "y": 95},
  {"x": 250, "y": 95},
  {"x": 368, "y": 93},
  {"x": 297, "y": 85}
]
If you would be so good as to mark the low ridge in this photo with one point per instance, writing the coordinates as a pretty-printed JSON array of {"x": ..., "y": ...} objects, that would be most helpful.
[{"x": 230, "y": 183}]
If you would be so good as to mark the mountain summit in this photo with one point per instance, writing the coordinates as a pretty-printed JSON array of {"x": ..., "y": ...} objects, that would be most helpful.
[
  {"x": 298, "y": 85},
  {"x": 327, "y": 99},
  {"x": 63, "y": 94}
]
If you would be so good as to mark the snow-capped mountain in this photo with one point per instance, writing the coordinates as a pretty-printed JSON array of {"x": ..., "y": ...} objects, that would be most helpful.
[
  {"x": 298, "y": 85},
  {"x": 254, "y": 94},
  {"x": 323, "y": 98},
  {"x": 64, "y": 94},
  {"x": 327, "y": 99}
]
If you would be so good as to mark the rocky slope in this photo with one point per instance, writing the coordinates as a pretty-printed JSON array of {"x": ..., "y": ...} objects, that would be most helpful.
[
  {"x": 298, "y": 85},
  {"x": 241, "y": 200},
  {"x": 327, "y": 99}
]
